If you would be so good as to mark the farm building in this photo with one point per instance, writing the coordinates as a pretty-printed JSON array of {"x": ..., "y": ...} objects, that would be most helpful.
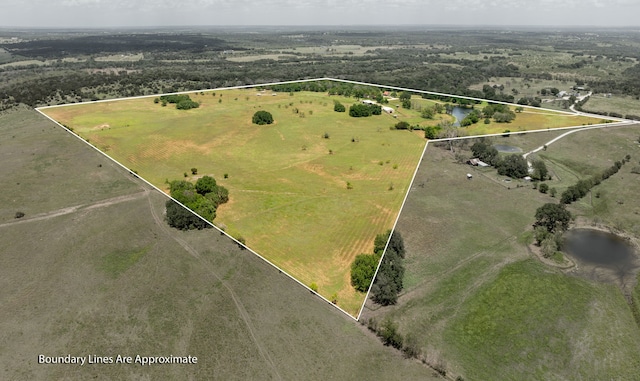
[
  {"x": 368, "y": 102},
  {"x": 388, "y": 109},
  {"x": 477, "y": 163}
]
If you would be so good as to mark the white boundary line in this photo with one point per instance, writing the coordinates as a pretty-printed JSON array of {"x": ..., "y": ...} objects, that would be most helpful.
[
  {"x": 39, "y": 110},
  {"x": 406, "y": 196}
]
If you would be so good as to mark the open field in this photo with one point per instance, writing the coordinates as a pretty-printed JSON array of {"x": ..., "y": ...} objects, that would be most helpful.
[
  {"x": 289, "y": 195},
  {"x": 306, "y": 203},
  {"x": 109, "y": 278},
  {"x": 479, "y": 302},
  {"x": 622, "y": 105}
]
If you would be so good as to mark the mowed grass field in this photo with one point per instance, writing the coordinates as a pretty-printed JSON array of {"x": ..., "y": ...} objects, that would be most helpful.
[
  {"x": 94, "y": 270},
  {"x": 289, "y": 196},
  {"x": 479, "y": 303}
]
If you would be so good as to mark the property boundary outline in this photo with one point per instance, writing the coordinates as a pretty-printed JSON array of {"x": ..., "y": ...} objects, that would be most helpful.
[{"x": 619, "y": 121}]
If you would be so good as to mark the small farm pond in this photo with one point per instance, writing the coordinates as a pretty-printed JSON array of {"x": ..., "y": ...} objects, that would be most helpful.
[
  {"x": 460, "y": 113},
  {"x": 603, "y": 256},
  {"x": 507, "y": 149},
  {"x": 598, "y": 247}
]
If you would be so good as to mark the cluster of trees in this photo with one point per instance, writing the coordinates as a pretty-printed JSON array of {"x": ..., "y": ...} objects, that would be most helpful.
[
  {"x": 582, "y": 187},
  {"x": 203, "y": 198},
  {"x": 485, "y": 151},
  {"x": 514, "y": 166},
  {"x": 388, "y": 283},
  {"x": 473, "y": 117},
  {"x": 530, "y": 101},
  {"x": 182, "y": 101},
  {"x": 550, "y": 91},
  {"x": 499, "y": 112},
  {"x": 358, "y": 110},
  {"x": 552, "y": 220},
  {"x": 262, "y": 117}
]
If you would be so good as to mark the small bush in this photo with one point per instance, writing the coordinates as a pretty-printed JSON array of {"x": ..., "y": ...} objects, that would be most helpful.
[{"x": 19, "y": 215}]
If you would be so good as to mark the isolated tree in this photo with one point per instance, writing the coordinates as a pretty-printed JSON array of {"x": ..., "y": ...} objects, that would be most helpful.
[
  {"x": 540, "y": 171},
  {"x": 427, "y": 112},
  {"x": 262, "y": 117},
  {"x": 338, "y": 107},
  {"x": 553, "y": 217}
]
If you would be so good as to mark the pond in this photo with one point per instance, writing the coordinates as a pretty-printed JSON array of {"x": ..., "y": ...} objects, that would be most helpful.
[
  {"x": 460, "y": 113},
  {"x": 600, "y": 248},
  {"x": 507, "y": 149},
  {"x": 603, "y": 257}
]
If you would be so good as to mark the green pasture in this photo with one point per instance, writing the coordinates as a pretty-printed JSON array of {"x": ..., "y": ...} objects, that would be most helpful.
[
  {"x": 475, "y": 297},
  {"x": 289, "y": 196}
]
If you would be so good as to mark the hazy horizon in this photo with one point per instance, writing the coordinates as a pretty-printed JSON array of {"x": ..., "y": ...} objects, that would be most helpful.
[{"x": 328, "y": 13}]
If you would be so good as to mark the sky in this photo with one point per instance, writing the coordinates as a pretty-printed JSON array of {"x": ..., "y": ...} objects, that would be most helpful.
[{"x": 143, "y": 13}]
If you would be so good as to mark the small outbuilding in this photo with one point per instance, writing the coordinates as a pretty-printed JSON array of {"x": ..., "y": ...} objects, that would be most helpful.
[{"x": 469, "y": 176}]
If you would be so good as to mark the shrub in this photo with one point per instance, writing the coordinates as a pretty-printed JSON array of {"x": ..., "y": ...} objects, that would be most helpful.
[
  {"x": 402, "y": 126},
  {"x": 389, "y": 334},
  {"x": 19, "y": 215},
  {"x": 543, "y": 188},
  {"x": 339, "y": 107}
]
